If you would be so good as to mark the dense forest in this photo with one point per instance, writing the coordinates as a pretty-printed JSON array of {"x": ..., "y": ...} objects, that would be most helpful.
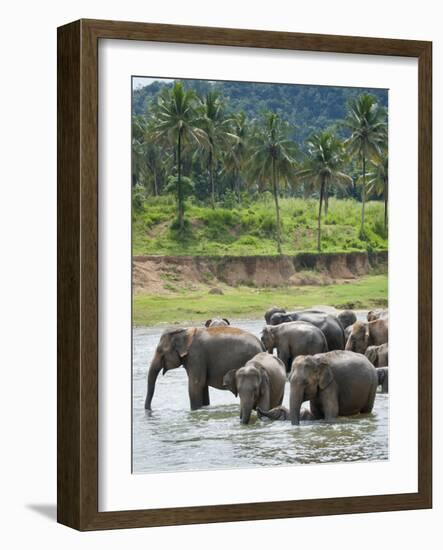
[
  {"x": 224, "y": 144},
  {"x": 307, "y": 109}
]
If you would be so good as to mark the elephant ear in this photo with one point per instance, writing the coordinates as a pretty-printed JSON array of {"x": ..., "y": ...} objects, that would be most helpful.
[
  {"x": 226, "y": 321},
  {"x": 183, "y": 340},
  {"x": 229, "y": 381},
  {"x": 208, "y": 323},
  {"x": 264, "y": 379},
  {"x": 368, "y": 338},
  {"x": 372, "y": 355},
  {"x": 325, "y": 374}
]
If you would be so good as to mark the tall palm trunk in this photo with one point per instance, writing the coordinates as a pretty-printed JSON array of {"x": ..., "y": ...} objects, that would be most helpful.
[
  {"x": 363, "y": 195},
  {"x": 326, "y": 199},
  {"x": 181, "y": 210},
  {"x": 322, "y": 190},
  {"x": 155, "y": 183},
  {"x": 211, "y": 178},
  {"x": 277, "y": 206},
  {"x": 237, "y": 185},
  {"x": 385, "y": 196}
]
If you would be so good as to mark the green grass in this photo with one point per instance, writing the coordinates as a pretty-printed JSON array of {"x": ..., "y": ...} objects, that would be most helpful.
[
  {"x": 250, "y": 230},
  {"x": 243, "y": 302}
]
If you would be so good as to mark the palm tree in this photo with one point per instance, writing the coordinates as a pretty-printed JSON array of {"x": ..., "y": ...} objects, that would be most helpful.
[
  {"x": 366, "y": 120},
  {"x": 322, "y": 168},
  {"x": 147, "y": 160},
  {"x": 175, "y": 121},
  {"x": 378, "y": 182},
  {"x": 235, "y": 156},
  {"x": 272, "y": 159},
  {"x": 217, "y": 126}
]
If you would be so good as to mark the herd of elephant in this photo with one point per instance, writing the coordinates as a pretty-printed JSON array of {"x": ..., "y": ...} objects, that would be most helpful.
[{"x": 333, "y": 361}]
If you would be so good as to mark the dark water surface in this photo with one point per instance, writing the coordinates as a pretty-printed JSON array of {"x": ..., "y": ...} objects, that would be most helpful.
[{"x": 175, "y": 439}]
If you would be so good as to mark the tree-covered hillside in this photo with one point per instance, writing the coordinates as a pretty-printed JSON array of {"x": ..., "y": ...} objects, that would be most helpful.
[
  {"x": 308, "y": 109},
  {"x": 225, "y": 144}
]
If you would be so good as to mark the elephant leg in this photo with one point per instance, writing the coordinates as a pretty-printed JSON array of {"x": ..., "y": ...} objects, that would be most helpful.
[
  {"x": 196, "y": 394},
  {"x": 264, "y": 403},
  {"x": 285, "y": 357},
  {"x": 206, "y": 396},
  {"x": 316, "y": 409},
  {"x": 370, "y": 404},
  {"x": 329, "y": 401}
]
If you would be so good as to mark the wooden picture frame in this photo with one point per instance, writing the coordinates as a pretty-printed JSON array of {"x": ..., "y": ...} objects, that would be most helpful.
[{"x": 77, "y": 456}]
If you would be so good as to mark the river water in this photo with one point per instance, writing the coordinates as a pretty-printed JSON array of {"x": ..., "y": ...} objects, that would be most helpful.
[{"x": 173, "y": 438}]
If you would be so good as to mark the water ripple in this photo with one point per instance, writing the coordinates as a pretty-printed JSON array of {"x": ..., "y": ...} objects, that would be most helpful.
[{"x": 173, "y": 438}]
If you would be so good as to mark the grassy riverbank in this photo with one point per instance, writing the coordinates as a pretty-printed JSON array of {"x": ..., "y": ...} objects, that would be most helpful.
[
  {"x": 249, "y": 229},
  {"x": 250, "y": 303}
]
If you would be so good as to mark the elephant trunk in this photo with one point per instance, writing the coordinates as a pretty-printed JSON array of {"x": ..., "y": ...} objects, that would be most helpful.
[
  {"x": 295, "y": 402},
  {"x": 245, "y": 412},
  {"x": 154, "y": 369},
  {"x": 350, "y": 344}
]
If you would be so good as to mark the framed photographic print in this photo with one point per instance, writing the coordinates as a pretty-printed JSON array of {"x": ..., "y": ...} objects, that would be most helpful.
[{"x": 247, "y": 213}]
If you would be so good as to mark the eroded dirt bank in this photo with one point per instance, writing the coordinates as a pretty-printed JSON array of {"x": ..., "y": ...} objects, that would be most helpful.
[{"x": 165, "y": 274}]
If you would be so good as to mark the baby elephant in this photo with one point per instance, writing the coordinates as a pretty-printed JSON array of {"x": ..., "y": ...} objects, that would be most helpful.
[
  {"x": 383, "y": 379},
  {"x": 293, "y": 339},
  {"x": 217, "y": 323},
  {"x": 259, "y": 383},
  {"x": 346, "y": 318},
  {"x": 282, "y": 413},
  {"x": 337, "y": 383},
  {"x": 378, "y": 355},
  {"x": 363, "y": 335}
]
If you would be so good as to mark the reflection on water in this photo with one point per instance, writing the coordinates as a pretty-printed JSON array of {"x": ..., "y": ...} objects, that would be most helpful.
[{"x": 174, "y": 438}]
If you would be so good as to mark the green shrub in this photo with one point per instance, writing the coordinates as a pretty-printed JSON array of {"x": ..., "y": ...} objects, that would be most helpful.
[{"x": 251, "y": 228}]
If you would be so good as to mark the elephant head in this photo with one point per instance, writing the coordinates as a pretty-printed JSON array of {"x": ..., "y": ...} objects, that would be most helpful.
[
  {"x": 170, "y": 354},
  {"x": 375, "y": 314},
  {"x": 268, "y": 338},
  {"x": 270, "y": 312},
  {"x": 359, "y": 338},
  {"x": 346, "y": 318},
  {"x": 217, "y": 323},
  {"x": 251, "y": 383},
  {"x": 280, "y": 317},
  {"x": 310, "y": 374}
]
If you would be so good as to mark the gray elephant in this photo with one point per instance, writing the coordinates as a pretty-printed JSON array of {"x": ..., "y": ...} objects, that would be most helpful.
[
  {"x": 282, "y": 413},
  {"x": 259, "y": 383},
  {"x": 378, "y": 355},
  {"x": 217, "y": 322},
  {"x": 328, "y": 324},
  {"x": 364, "y": 335},
  {"x": 270, "y": 312},
  {"x": 383, "y": 379},
  {"x": 206, "y": 353},
  {"x": 346, "y": 318},
  {"x": 375, "y": 314},
  {"x": 293, "y": 339},
  {"x": 336, "y": 383}
]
